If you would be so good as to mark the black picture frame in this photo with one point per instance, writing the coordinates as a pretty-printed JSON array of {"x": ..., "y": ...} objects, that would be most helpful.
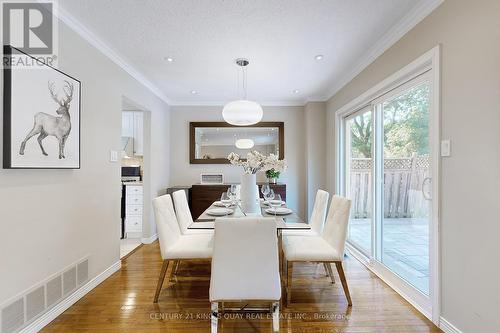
[{"x": 8, "y": 53}]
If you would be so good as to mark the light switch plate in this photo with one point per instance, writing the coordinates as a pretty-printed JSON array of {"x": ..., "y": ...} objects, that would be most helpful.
[
  {"x": 113, "y": 156},
  {"x": 445, "y": 148}
]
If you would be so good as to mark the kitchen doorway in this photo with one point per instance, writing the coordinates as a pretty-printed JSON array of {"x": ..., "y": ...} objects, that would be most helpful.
[{"x": 132, "y": 177}]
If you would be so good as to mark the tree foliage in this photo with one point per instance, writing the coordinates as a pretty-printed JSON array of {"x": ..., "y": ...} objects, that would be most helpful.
[{"x": 406, "y": 126}]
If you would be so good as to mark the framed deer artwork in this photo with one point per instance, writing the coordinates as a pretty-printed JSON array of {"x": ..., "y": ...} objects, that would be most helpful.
[{"x": 41, "y": 119}]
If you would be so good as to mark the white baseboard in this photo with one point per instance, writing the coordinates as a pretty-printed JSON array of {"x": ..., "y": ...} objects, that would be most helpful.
[
  {"x": 149, "y": 240},
  {"x": 53, "y": 313},
  {"x": 447, "y": 327}
]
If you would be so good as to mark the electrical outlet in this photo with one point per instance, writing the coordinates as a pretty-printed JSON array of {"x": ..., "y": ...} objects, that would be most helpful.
[
  {"x": 113, "y": 156},
  {"x": 445, "y": 148}
]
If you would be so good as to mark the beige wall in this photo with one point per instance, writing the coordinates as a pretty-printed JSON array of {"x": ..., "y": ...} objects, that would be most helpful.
[
  {"x": 183, "y": 173},
  {"x": 315, "y": 150},
  {"x": 52, "y": 218},
  {"x": 469, "y": 32}
]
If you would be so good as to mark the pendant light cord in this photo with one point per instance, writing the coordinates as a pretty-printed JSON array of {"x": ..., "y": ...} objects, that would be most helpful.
[
  {"x": 245, "y": 82},
  {"x": 243, "y": 63}
]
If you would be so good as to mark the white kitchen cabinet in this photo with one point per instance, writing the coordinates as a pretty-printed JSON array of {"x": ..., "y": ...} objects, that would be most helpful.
[
  {"x": 133, "y": 127},
  {"x": 133, "y": 208},
  {"x": 128, "y": 124}
]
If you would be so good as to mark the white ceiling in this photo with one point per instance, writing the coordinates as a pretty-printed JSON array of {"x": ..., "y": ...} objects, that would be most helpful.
[{"x": 279, "y": 37}]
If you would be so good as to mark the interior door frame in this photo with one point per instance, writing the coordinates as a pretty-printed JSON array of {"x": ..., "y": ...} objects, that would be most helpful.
[{"x": 428, "y": 62}]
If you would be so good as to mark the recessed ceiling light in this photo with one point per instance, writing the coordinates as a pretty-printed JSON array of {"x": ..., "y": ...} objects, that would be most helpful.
[
  {"x": 318, "y": 57},
  {"x": 169, "y": 59},
  {"x": 296, "y": 91},
  {"x": 194, "y": 92}
]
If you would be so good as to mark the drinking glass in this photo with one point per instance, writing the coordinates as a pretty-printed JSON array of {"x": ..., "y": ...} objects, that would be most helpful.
[
  {"x": 232, "y": 191},
  {"x": 265, "y": 189},
  {"x": 232, "y": 188},
  {"x": 276, "y": 202},
  {"x": 232, "y": 196},
  {"x": 269, "y": 196},
  {"x": 226, "y": 200}
]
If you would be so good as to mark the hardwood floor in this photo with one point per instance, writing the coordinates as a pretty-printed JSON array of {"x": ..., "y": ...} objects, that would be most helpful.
[{"x": 124, "y": 303}]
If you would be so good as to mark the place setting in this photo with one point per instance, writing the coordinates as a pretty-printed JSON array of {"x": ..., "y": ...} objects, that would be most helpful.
[
  {"x": 272, "y": 202},
  {"x": 225, "y": 206}
]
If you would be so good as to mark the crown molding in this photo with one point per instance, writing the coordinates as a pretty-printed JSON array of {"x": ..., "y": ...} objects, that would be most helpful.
[
  {"x": 408, "y": 22},
  {"x": 105, "y": 49},
  {"x": 221, "y": 104}
]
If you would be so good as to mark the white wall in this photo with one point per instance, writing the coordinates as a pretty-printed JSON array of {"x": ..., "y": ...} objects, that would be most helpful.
[
  {"x": 468, "y": 32},
  {"x": 51, "y": 218},
  {"x": 315, "y": 132},
  {"x": 183, "y": 173}
]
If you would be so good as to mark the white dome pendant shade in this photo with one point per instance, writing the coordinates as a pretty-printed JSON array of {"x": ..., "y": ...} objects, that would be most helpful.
[
  {"x": 242, "y": 113},
  {"x": 244, "y": 143}
]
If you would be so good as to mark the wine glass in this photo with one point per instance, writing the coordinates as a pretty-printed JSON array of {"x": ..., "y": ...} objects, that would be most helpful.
[
  {"x": 276, "y": 202},
  {"x": 231, "y": 195},
  {"x": 226, "y": 200},
  {"x": 269, "y": 196},
  {"x": 265, "y": 189},
  {"x": 233, "y": 189}
]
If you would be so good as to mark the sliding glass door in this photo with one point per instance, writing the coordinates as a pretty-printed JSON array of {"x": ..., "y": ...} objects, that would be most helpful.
[
  {"x": 405, "y": 199},
  {"x": 386, "y": 173},
  {"x": 359, "y": 163}
]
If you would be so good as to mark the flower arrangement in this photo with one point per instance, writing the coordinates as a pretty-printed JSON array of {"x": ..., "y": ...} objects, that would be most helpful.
[
  {"x": 256, "y": 162},
  {"x": 275, "y": 167}
]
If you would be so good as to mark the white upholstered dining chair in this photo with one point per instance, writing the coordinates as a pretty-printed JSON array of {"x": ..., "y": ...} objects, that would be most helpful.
[
  {"x": 184, "y": 216},
  {"x": 326, "y": 248},
  {"x": 243, "y": 275},
  {"x": 317, "y": 223},
  {"x": 318, "y": 216},
  {"x": 173, "y": 244}
]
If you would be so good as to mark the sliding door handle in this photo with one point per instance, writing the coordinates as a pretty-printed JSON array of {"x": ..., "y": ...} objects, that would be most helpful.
[{"x": 426, "y": 194}]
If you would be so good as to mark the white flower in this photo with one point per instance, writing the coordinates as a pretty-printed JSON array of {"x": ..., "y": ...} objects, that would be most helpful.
[{"x": 256, "y": 162}]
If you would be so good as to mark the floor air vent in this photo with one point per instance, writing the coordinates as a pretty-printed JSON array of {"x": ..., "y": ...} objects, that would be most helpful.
[
  {"x": 69, "y": 281},
  {"x": 54, "y": 291},
  {"x": 82, "y": 272},
  {"x": 26, "y": 307},
  {"x": 13, "y": 316}
]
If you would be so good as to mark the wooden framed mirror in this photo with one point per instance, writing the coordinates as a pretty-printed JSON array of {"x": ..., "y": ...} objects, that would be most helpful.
[{"x": 211, "y": 142}]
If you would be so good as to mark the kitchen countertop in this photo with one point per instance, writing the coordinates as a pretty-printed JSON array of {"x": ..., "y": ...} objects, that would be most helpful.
[{"x": 132, "y": 183}]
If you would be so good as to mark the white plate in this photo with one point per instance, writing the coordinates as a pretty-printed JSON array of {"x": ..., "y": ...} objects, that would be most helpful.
[
  {"x": 220, "y": 204},
  {"x": 279, "y": 211},
  {"x": 219, "y": 211},
  {"x": 267, "y": 204}
]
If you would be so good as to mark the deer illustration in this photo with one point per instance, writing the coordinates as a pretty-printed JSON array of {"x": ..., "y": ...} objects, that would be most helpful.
[{"x": 46, "y": 124}]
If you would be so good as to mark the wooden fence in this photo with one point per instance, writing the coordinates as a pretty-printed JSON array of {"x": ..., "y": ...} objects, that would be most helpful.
[{"x": 403, "y": 179}]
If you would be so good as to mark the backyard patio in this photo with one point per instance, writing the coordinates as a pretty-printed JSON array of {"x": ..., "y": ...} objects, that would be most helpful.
[{"x": 405, "y": 247}]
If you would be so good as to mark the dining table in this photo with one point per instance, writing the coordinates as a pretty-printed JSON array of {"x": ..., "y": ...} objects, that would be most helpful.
[{"x": 289, "y": 221}]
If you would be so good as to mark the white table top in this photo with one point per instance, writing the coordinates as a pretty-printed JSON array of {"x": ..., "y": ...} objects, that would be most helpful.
[{"x": 290, "y": 221}]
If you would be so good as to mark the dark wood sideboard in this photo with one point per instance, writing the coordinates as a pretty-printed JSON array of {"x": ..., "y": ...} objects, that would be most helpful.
[{"x": 200, "y": 197}]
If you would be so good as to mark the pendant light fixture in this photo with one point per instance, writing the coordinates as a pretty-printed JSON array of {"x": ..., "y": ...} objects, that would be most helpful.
[
  {"x": 244, "y": 143},
  {"x": 242, "y": 112}
]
